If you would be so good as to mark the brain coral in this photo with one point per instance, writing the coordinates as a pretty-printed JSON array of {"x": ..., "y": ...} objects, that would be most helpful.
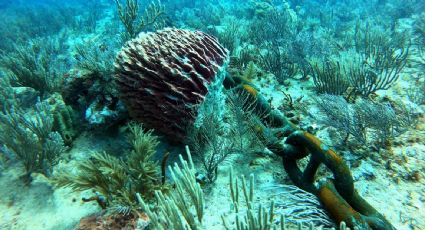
[{"x": 163, "y": 75}]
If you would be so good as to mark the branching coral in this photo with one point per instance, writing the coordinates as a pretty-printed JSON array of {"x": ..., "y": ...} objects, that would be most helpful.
[
  {"x": 89, "y": 87},
  {"x": 214, "y": 140},
  {"x": 274, "y": 32},
  {"x": 242, "y": 58},
  {"x": 361, "y": 119},
  {"x": 231, "y": 36},
  {"x": 277, "y": 25},
  {"x": 134, "y": 23},
  {"x": 380, "y": 75},
  {"x": 276, "y": 61},
  {"x": 250, "y": 72},
  {"x": 184, "y": 207},
  {"x": 419, "y": 30},
  {"x": 23, "y": 22},
  {"x": 416, "y": 94},
  {"x": 204, "y": 136},
  {"x": 210, "y": 146},
  {"x": 34, "y": 65},
  {"x": 374, "y": 63},
  {"x": 96, "y": 57},
  {"x": 30, "y": 138},
  {"x": 329, "y": 77},
  {"x": 384, "y": 55},
  {"x": 119, "y": 179}
]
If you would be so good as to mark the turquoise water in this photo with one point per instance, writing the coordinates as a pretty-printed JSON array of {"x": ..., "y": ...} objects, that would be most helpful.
[{"x": 214, "y": 114}]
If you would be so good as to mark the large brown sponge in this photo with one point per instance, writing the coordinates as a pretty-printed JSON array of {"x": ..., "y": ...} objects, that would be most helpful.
[{"x": 163, "y": 75}]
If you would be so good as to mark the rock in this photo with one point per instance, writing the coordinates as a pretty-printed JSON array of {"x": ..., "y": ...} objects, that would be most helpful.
[
  {"x": 99, "y": 114},
  {"x": 77, "y": 88},
  {"x": 95, "y": 97}
]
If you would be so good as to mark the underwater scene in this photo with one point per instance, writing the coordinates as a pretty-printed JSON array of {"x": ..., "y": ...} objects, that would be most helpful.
[{"x": 212, "y": 114}]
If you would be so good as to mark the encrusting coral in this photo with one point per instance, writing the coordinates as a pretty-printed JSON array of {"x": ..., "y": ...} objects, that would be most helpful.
[{"x": 162, "y": 76}]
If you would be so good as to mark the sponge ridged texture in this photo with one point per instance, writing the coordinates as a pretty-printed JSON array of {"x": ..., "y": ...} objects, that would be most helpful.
[{"x": 163, "y": 75}]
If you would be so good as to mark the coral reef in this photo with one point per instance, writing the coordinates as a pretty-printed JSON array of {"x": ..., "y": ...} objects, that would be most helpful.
[
  {"x": 7, "y": 95},
  {"x": 71, "y": 73},
  {"x": 276, "y": 61},
  {"x": 419, "y": 29},
  {"x": 162, "y": 76},
  {"x": 384, "y": 55}
]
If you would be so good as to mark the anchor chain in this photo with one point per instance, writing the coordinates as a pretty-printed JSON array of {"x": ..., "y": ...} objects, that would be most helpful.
[{"x": 337, "y": 195}]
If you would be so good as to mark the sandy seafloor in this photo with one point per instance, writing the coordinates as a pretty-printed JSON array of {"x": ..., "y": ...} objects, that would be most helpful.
[{"x": 384, "y": 179}]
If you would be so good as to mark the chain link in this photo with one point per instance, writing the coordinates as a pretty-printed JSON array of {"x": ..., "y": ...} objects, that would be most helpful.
[{"x": 338, "y": 194}]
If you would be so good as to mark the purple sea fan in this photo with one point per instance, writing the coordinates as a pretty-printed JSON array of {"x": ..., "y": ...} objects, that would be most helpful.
[{"x": 162, "y": 76}]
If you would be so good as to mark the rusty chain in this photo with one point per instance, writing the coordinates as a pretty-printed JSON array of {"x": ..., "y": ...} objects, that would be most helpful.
[{"x": 337, "y": 195}]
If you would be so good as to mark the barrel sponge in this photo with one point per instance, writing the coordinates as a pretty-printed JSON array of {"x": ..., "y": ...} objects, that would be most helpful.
[{"x": 162, "y": 76}]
